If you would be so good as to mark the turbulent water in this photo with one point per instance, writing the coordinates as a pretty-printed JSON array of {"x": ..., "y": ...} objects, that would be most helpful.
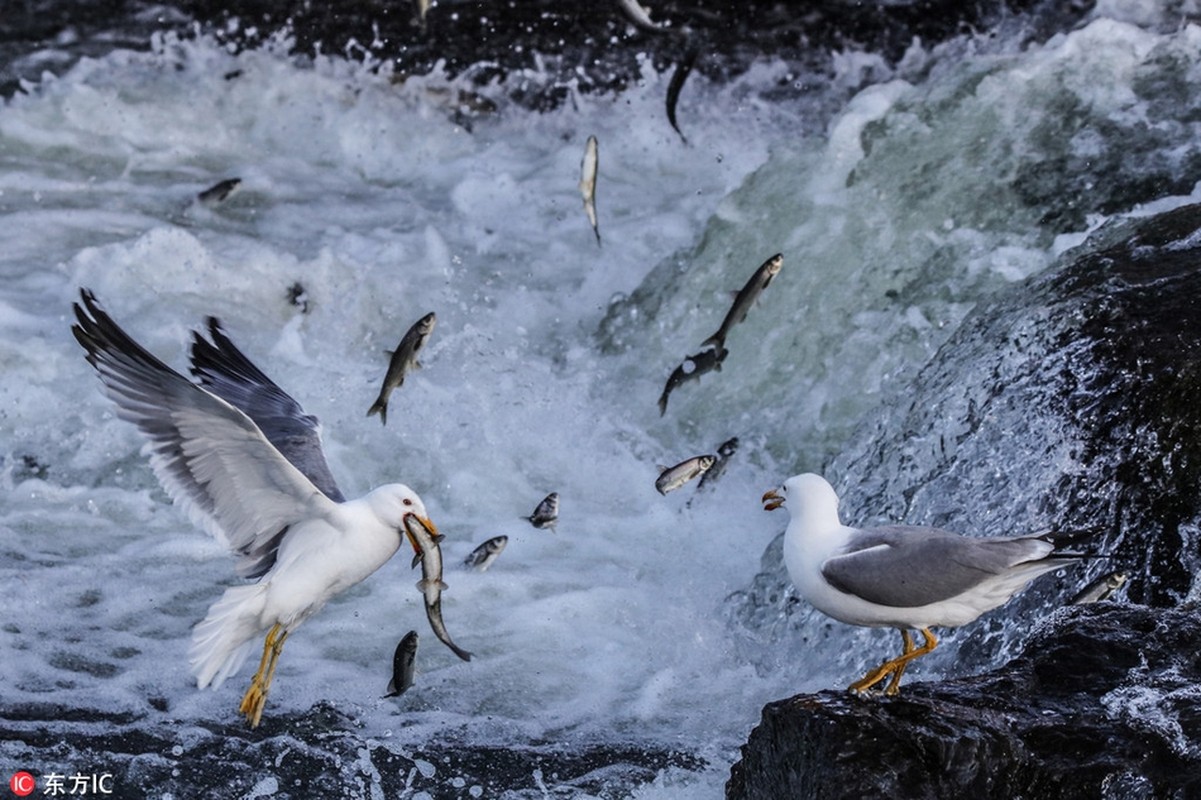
[{"x": 367, "y": 201}]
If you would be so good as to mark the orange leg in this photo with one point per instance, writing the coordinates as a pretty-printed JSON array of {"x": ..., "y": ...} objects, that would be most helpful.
[
  {"x": 256, "y": 696},
  {"x": 896, "y": 666}
]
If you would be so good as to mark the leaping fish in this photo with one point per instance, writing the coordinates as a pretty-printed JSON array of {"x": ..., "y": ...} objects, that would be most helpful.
[
  {"x": 431, "y": 586},
  {"x": 403, "y": 665},
  {"x": 673, "y": 478},
  {"x": 724, "y": 451},
  {"x": 1100, "y": 589},
  {"x": 482, "y": 557},
  {"x": 746, "y": 298},
  {"x": 588, "y": 169},
  {"x": 691, "y": 368},
  {"x": 219, "y": 192},
  {"x": 640, "y": 18},
  {"x": 404, "y": 360},
  {"x": 547, "y": 512},
  {"x": 677, "y": 83}
]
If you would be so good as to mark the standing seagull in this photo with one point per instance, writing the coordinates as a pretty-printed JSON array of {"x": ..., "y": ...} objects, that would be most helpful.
[
  {"x": 244, "y": 461},
  {"x": 899, "y": 576}
]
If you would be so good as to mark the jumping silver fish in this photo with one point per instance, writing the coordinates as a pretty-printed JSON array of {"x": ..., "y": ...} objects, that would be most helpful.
[
  {"x": 482, "y": 557},
  {"x": 1100, "y": 589},
  {"x": 403, "y": 665},
  {"x": 639, "y": 16},
  {"x": 404, "y": 359},
  {"x": 422, "y": 7},
  {"x": 746, "y": 298},
  {"x": 547, "y": 512},
  {"x": 677, "y": 83},
  {"x": 673, "y": 478},
  {"x": 690, "y": 369},
  {"x": 724, "y": 451},
  {"x": 431, "y": 586},
  {"x": 588, "y": 169},
  {"x": 219, "y": 192}
]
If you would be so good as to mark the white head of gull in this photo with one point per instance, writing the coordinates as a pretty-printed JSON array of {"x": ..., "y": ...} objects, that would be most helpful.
[
  {"x": 899, "y": 576},
  {"x": 244, "y": 461}
]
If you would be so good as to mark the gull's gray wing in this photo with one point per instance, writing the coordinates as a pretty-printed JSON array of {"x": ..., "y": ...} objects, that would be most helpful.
[
  {"x": 226, "y": 372},
  {"x": 908, "y": 566},
  {"x": 211, "y": 458}
]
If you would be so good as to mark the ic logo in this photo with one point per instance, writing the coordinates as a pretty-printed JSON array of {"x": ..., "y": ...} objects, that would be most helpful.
[{"x": 22, "y": 784}]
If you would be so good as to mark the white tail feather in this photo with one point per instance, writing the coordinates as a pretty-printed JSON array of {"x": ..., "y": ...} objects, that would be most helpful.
[{"x": 224, "y": 638}]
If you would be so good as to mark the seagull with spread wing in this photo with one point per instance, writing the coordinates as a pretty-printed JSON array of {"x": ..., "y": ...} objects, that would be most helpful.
[{"x": 244, "y": 461}]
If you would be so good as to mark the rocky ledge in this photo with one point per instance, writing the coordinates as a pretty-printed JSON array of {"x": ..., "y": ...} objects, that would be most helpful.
[{"x": 1103, "y": 702}]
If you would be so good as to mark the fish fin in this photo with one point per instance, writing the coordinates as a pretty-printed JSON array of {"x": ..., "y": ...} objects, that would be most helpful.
[
  {"x": 416, "y": 561},
  {"x": 717, "y": 340},
  {"x": 663, "y": 403},
  {"x": 438, "y": 539},
  {"x": 443, "y": 585},
  {"x": 389, "y": 353},
  {"x": 379, "y": 407},
  {"x": 392, "y": 689}
]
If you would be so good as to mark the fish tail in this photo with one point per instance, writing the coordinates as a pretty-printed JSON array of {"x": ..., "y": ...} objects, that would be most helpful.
[
  {"x": 224, "y": 638},
  {"x": 379, "y": 407}
]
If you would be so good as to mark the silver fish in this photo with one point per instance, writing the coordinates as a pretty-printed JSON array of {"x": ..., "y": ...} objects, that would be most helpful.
[
  {"x": 482, "y": 557},
  {"x": 1100, "y": 589},
  {"x": 588, "y": 169},
  {"x": 431, "y": 585},
  {"x": 677, "y": 83},
  {"x": 404, "y": 359},
  {"x": 724, "y": 451},
  {"x": 746, "y": 298},
  {"x": 673, "y": 478},
  {"x": 547, "y": 512},
  {"x": 219, "y": 192},
  {"x": 690, "y": 369},
  {"x": 403, "y": 665},
  {"x": 639, "y": 16}
]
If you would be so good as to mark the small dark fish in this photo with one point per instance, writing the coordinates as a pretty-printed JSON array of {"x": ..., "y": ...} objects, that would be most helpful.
[
  {"x": 724, "y": 451},
  {"x": 403, "y": 663},
  {"x": 299, "y": 297},
  {"x": 404, "y": 360},
  {"x": 547, "y": 512},
  {"x": 482, "y": 557},
  {"x": 588, "y": 168},
  {"x": 219, "y": 192},
  {"x": 690, "y": 369},
  {"x": 677, "y": 83},
  {"x": 1100, "y": 589},
  {"x": 431, "y": 585},
  {"x": 746, "y": 298},
  {"x": 673, "y": 478}
]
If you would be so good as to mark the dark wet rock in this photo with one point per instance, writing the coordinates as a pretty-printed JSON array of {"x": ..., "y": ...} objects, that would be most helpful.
[
  {"x": 1067, "y": 402},
  {"x": 1102, "y": 703},
  {"x": 318, "y": 753},
  {"x": 557, "y": 46}
]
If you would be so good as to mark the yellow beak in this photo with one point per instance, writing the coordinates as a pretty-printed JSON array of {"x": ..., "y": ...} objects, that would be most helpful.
[
  {"x": 771, "y": 500},
  {"x": 429, "y": 526}
]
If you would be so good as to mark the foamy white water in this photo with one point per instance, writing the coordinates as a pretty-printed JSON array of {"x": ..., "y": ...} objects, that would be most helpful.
[{"x": 894, "y": 217}]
